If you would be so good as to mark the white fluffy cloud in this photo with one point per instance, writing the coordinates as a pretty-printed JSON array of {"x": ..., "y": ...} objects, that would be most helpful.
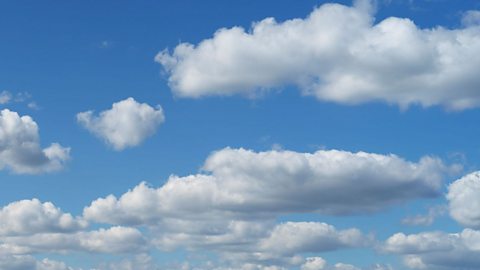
[
  {"x": 127, "y": 124},
  {"x": 464, "y": 200},
  {"x": 437, "y": 250},
  {"x": 32, "y": 216},
  {"x": 230, "y": 208},
  {"x": 20, "y": 148},
  {"x": 247, "y": 183},
  {"x": 112, "y": 240},
  {"x": 336, "y": 54}
]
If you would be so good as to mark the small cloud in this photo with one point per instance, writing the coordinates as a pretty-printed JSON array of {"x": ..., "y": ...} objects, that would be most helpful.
[
  {"x": 33, "y": 105},
  {"x": 105, "y": 44},
  {"x": 20, "y": 97},
  {"x": 5, "y": 97},
  {"x": 127, "y": 124}
]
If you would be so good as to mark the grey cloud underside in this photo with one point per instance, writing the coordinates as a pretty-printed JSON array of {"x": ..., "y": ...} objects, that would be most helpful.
[{"x": 336, "y": 54}]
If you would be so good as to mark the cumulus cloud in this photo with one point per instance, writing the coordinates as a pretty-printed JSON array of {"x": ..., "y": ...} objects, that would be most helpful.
[
  {"x": 112, "y": 240},
  {"x": 231, "y": 206},
  {"x": 247, "y": 183},
  {"x": 464, "y": 200},
  {"x": 296, "y": 237},
  {"x": 20, "y": 149},
  {"x": 127, "y": 124},
  {"x": 437, "y": 250},
  {"x": 336, "y": 54},
  {"x": 32, "y": 216}
]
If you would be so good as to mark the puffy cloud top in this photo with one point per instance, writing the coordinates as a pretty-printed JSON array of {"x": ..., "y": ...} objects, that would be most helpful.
[
  {"x": 127, "y": 124},
  {"x": 20, "y": 148},
  {"x": 336, "y": 54},
  {"x": 32, "y": 216}
]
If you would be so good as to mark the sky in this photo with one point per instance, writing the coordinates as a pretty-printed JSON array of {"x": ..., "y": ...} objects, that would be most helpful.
[{"x": 250, "y": 135}]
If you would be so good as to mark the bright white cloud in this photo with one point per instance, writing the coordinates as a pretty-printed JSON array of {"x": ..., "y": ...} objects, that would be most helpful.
[
  {"x": 437, "y": 250},
  {"x": 32, "y": 216},
  {"x": 246, "y": 183},
  {"x": 127, "y": 124},
  {"x": 464, "y": 200},
  {"x": 336, "y": 54},
  {"x": 20, "y": 148}
]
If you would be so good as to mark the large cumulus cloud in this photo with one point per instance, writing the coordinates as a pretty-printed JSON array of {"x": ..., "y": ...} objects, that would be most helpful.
[
  {"x": 337, "y": 53},
  {"x": 246, "y": 183}
]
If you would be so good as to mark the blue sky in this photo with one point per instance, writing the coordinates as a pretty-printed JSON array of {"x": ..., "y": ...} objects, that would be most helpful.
[{"x": 338, "y": 136}]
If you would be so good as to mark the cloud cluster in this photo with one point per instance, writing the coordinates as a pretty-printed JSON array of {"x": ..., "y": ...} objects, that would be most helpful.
[
  {"x": 231, "y": 206},
  {"x": 20, "y": 149},
  {"x": 127, "y": 124},
  {"x": 336, "y": 54}
]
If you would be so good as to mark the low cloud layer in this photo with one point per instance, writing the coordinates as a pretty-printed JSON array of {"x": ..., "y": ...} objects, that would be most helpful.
[
  {"x": 338, "y": 54},
  {"x": 20, "y": 149},
  {"x": 127, "y": 124}
]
